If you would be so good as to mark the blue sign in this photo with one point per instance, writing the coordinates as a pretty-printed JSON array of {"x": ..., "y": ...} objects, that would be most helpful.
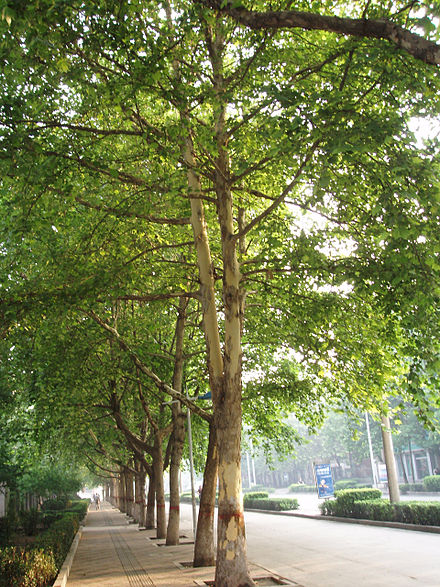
[{"x": 324, "y": 481}]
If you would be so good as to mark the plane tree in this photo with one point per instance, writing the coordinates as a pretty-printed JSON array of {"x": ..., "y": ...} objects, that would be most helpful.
[{"x": 210, "y": 131}]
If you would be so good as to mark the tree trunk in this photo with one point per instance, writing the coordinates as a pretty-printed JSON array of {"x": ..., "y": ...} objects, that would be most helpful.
[
  {"x": 393, "y": 484},
  {"x": 204, "y": 553},
  {"x": 161, "y": 530},
  {"x": 150, "y": 515},
  {"x": 122, "y": 493},
  {"x": 231, "y": 567},
  {"x": 178, "y": 435},
  {"x": 139, "y": 489},
  {"x": 129, "y": 493}
]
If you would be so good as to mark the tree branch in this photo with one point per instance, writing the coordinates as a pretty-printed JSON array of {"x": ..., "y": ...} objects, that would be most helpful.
[
  {"x": 417, "y": 46},
  {"x": 161, "y": 385}
]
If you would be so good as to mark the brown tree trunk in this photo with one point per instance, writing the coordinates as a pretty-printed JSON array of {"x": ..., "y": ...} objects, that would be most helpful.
[
  {"x": 122, "y": 505},
  {"x": 161, "y": 529},
  {"x": 139, "y": 494},
  {"x": 204, "y": 551},
  {"x": 129, "y": 493},
  {"x": 150, "y": 515},
  {"x": 178, "y": 434}
]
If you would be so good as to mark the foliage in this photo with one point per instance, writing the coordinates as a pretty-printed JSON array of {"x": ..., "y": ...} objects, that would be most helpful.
[
  {"x": 30, "y": 520},
  {"x": 276, "y": 504},
  {"x": 432, "y": 482},
  {"x": 343, "y": 504},
  {"x": 411, "y": 487},
  {"x": 54, "y": 504},
  {"x": 6, "y": 528},
  {"x": 349, "y": 484},
  {"x": 301, "y": 488},
  {"x": 26, "y": 568},
  {"x": 422, "y": 513},
  {"x": 58, "y": 538},
  {"x": 251, "y": 495}
]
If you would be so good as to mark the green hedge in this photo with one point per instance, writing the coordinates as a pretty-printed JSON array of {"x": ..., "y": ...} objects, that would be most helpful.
[
  {"x": 26, "y": 568},
  {"x": 432, "y": 482},
  {"x": 350, "y": 484},
  {"x": 255, "y": 495},
  {"x": 60, "y": 503},
  {"x": 277, "y": 504},
  {"x": 301, "y": 488},
  {"x": 424, "y": 513},
  {"x": 343, "y": 504},
  {"x": 58, "y": 538},
  {"x": 411, "y": 487}
]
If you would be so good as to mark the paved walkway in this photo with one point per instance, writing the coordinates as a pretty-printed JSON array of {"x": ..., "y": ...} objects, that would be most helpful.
[{"x": 114, "y": 553}]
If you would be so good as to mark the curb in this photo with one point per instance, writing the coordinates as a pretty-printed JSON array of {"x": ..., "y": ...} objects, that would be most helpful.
[{"x": 63, "y": 574}]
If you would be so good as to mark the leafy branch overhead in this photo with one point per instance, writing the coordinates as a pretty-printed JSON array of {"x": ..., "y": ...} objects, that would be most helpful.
[{"x": 416, "y": 45}]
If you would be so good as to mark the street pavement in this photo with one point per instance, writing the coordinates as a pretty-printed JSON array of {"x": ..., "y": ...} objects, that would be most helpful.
[{"x": 304, "y": 551}]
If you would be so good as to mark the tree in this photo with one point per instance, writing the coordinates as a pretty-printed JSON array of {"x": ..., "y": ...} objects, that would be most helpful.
[{"x": 98, "y": 120}]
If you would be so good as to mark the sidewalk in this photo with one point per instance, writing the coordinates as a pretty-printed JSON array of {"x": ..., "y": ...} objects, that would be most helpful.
[{"x": 114, "y": 553}]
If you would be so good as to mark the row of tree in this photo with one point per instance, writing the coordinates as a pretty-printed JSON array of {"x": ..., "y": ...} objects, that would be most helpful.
[{"x": 185, "y": 199}]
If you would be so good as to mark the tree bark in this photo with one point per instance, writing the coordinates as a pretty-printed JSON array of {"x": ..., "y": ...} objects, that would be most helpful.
[
  {"x": 204, "y": 551},
  {"x": 161, "y": 529},
  {"x": 417, "y": 46},
  {"x": 390, "y": 462},
  {"x": 140, "y": 479},
  {"x": 178, "y": 435},
  {"x": 150, "y": 515}
]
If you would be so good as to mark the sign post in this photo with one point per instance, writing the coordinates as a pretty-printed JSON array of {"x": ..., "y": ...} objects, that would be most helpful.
[{"x": 324, "y": 481}]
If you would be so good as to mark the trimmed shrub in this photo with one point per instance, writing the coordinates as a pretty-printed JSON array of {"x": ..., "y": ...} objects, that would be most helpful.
[
  {"x": 374, "y": 509},
  {"x": 277, "y": 504},
  {"x": 256, "y": 488},
  {"x": 79, "y": 506},
  {"x": 425, "y": 513},
  {"x": 6, "y": 528},
  {"x": 255, "y": 495},
  {"x": 301, "y": 488},
  {"x": 54, "y": 504},
  {"x": 26, "y": 568},
  {"x": 58, "y": 538},
  {"x": 30, "y": 520},
  {"x": 432, "y": 482},
  {"x": 344, "y": 501},
  {"x": 411, "y": 487},
  {"x": 350, "y": 484}
]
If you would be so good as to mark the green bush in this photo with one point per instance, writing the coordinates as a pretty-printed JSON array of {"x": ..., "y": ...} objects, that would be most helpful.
[
  {"x": 344, "y": 501},
  {"x": 60, "y": 503},
  {"x": 255, "y": 495},
  {"x": 277, "y": 504},
  {"x": 411, "y": 487},
  {"x": 350, "y": 484},
  {"x": 26, "y": 568},
  {"x": 79, "y": 506},
  {"x": 58, "y": 538},
  {"x": 432, "y": 482},
  {"x": 424, "y": 513},
  {"x": 256, "y": 488},
  {"x": 30, "y": 520},
  {"x": 6, "y": 528},
  {"x": 301, "y": 488}
]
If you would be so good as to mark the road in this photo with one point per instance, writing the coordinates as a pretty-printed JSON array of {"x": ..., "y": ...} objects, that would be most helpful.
[{"x": 322, "y": 553}]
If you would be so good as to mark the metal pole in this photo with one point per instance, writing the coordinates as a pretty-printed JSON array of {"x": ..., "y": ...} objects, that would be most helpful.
[
  {"x": 191, "y": 466},
  {"x": 370, "y": 446}
]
